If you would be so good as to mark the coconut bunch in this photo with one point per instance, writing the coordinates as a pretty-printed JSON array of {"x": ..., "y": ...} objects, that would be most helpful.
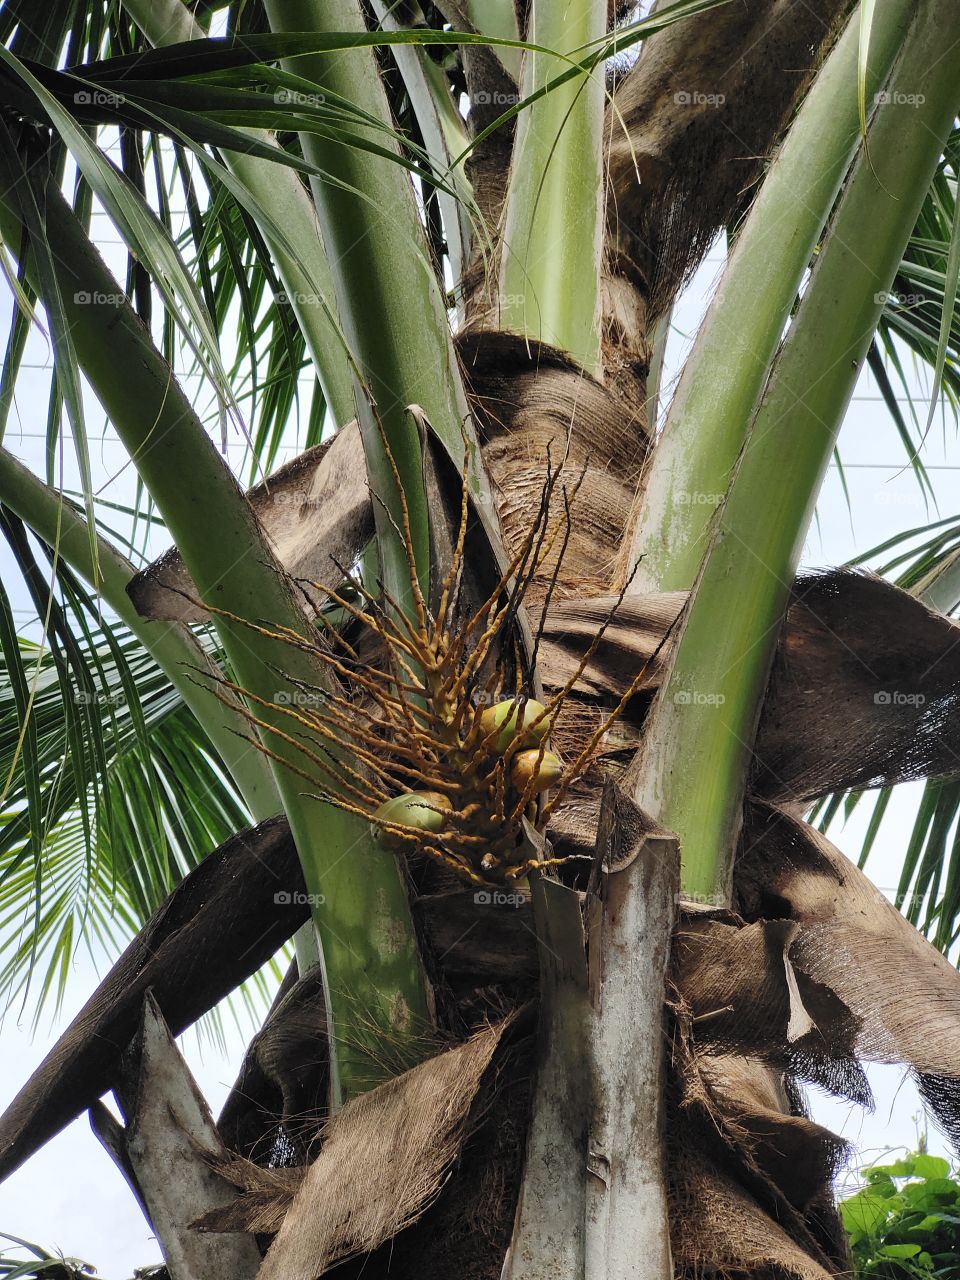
[{"x": 426, "y": 724}]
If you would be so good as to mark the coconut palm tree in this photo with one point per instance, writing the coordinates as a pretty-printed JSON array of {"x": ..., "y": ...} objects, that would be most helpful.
[{"x": 501, "y": 698}]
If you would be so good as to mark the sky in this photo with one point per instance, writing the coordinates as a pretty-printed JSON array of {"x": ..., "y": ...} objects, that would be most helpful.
[{"x": 70, "y": 1197}]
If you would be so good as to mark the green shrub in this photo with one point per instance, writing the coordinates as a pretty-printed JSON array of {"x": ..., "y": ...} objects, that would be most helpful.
[{"x": 905, "y": 1222}]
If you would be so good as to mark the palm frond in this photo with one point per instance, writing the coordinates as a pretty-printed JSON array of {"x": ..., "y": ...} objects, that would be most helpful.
[
  {"x": 920, "y": 560},
  {"x": 112, "y": 791},
  {"x": 919, "y": 314},
  {"x": 41, "y": 1262}
]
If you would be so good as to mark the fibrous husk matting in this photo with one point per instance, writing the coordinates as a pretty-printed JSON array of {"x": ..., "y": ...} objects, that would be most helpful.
[
  {"x": 864, "y": 690},
  {"x": 266, "y": 1195},
  {"x": 382, "y": 1160},
  {"x": 745, "y": 995},
  {"x": 904, "y": 995},
  {"x": 529, "y": 399},
  {"x": 315, "y": 514},
  {"x": 747, "y": 1176},
  {"x": 815, "y": 973},
  {"x": 692, "y": 122}
]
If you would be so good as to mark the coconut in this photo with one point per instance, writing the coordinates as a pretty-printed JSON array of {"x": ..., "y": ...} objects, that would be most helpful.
[
  {"x": 543, "y": 768},
  {"x": 422, "y": 810},
  {"x": 508, "y": 718}
]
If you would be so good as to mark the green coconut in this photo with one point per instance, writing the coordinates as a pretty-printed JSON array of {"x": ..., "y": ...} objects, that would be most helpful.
[
  {"x": 423, "y": 810},
  {"x": 508, "y": 718}
]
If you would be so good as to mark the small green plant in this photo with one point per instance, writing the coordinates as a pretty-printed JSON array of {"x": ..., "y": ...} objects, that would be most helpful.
[
  {"x": 906, "y": 1220},
  {"x": 43, "y": 1265}
]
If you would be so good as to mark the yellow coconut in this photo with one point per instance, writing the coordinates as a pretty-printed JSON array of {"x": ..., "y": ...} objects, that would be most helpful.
[{"x": 544, "y": 770}]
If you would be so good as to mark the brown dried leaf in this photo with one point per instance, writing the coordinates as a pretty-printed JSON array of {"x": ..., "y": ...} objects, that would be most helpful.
[
  {"x": 223, "y": 921},
  {"x": 383, "y": 1161},
  {"x": 314, "y": 511},
  {"x": 904, "y": 994},
  {"x": 695, "y": 120}
]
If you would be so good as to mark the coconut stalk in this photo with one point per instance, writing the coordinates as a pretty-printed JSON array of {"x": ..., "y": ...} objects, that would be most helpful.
[
  {"x": 391, "y": 304},
  {"x": 305, "y": 272},
  {"x": 172, "y": 645},
  {"x": 374, "y": 981},
  {"x": 724, "y": 376},
  {"x": 550, "y": 268},
  {"x": 691, "y": 772}
]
